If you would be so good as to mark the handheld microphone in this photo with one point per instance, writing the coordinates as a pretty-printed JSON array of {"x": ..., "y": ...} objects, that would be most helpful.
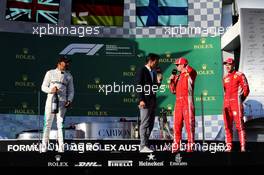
[
  {"x": 159, "y": 74},
  {"x": 174, "y": 72}
]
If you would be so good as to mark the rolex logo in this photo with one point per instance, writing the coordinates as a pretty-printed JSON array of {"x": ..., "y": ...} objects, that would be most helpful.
[
  {"x": 203, "y": 40},
  {"x": 24, "y": 105},
  {"x": 24, "y": 77},
  {"x": 58, "y": 158},
  {"x": 204, "y": 66},
  {"x": 168, "y": 55},
  {"x": 132, "y": 68},
  {"x": 25, "y": 51},
  {"x": 205, "y": 92},
  {"x": 133, "y": 94},
  {"x": 168, "y": 80},
  {"x": 97, "y": 107},
  {"x": 97, "y": 80}
]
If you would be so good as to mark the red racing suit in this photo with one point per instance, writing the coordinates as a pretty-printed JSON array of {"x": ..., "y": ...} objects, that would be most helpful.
[
  {"x": 236, "y": 90},
  {"x": 183, "y": 86}
]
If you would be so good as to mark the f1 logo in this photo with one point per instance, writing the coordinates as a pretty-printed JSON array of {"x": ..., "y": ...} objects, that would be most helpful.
[{"x": 89, "y": 49}]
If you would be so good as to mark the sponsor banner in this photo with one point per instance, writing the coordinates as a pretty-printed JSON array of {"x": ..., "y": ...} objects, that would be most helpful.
[
  {"x": 112, "y": 146},
  {"x": 130, "y": 159}
]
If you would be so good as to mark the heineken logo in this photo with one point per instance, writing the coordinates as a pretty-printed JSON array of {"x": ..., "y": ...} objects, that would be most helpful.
[{"x": 204, "y": 66}]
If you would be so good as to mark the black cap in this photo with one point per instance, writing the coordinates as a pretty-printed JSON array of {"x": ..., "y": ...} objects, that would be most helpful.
[{"x": 64, "y": 59}]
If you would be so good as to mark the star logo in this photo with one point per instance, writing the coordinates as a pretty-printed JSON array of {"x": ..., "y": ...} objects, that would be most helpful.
[{"x": 151, "y": 156}]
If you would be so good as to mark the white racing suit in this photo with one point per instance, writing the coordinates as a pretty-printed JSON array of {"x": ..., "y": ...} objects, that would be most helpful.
[{"x": 64, "y": 82}]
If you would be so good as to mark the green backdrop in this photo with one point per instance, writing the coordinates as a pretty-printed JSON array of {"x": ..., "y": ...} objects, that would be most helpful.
[{"x": 26, "y": 58}]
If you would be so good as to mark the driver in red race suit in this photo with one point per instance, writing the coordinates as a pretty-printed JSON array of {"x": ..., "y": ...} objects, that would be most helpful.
[
  {"x": 236, "y": 90},
  {"x": 182, "y": 85}
]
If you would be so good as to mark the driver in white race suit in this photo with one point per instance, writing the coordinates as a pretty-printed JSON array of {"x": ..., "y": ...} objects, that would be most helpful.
[{"x": 58, "y": 81}]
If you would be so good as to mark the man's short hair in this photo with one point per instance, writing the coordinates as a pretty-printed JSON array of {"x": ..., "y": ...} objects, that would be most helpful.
[
  {"x": 63, "y": 59},
  {"x": 152, "y": 57}
]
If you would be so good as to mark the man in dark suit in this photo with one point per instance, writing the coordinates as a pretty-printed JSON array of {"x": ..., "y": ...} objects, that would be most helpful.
[{"x": 149, "y": 81}]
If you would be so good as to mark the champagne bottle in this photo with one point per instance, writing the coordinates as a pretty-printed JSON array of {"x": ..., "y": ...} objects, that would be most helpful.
[
  {"x": 136, "y": 133},
  {"x": 55, "y": 103}
]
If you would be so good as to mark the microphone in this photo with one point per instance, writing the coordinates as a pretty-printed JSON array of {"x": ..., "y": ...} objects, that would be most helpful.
[
  {"x": 159, "y": 74},
  {"x": 174, "y": 72}
]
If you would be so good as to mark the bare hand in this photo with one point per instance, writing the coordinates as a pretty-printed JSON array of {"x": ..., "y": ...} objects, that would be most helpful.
[
  {"x": 172, "y": 77},
  {"x": 159, "y": 78},
  {"x": 142, "y": 104},
  {"x": 67, "y": 104}
]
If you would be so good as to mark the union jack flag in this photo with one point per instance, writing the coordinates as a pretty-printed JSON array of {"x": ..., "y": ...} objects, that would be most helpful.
[{"x": 42, "y": 11}]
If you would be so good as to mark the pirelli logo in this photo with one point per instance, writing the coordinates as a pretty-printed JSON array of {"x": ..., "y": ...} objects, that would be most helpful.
[
  {"x": 120, "y": 163},
  {"x": 88, "y": 49}
]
